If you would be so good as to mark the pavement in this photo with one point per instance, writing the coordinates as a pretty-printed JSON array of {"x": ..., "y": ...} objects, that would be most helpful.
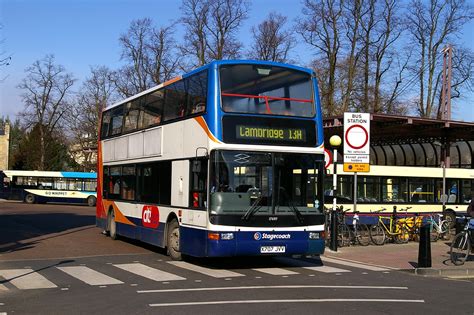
[{"x": 405, "y": 257}]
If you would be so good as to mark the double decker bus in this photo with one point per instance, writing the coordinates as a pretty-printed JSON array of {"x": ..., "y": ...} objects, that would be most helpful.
[
  {"x": 226, "y": 160},
  {"x": 411, "y": 188},
  {"x": 47, "y": 186}
]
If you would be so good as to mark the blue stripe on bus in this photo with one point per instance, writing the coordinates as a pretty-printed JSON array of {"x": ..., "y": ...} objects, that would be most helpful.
[{"x": 79, "y": 175}]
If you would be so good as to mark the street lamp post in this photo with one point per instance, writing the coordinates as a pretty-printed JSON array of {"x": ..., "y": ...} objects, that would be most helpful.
[{"x": 335, "y": 142}]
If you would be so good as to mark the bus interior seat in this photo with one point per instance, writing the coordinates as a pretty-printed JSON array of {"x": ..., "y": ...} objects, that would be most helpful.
[{"x": 452, "y": 198}]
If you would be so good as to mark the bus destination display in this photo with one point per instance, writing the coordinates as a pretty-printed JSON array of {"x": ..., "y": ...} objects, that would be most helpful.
[{"x": 270, "y": 133}]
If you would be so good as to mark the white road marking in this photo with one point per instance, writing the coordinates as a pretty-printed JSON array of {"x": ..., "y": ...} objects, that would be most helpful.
[
  {"x": 259, "y": 287},
  {"x": 216, "y": 273},
  {"x": 276, "y": 271},
  {"x": 287, "y": 301},
  {"x": 352, "y": 264},
  {"x": 26, "y": 279},
  {"x": 326, "y": 269},
  {"x": 149, "y": 273},
  {"x": 89, "y": 276}
]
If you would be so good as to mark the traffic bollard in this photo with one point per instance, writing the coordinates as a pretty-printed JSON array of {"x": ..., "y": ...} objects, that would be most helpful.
[
  {"x": 424, "y": 251},
  {"x": 333, "y": 243}
]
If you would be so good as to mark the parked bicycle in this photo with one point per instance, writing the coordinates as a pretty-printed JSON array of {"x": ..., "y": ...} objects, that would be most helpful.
[
  {"x": 388, "y": 227},
  {"x": 360, "y": 230},
  {"x": 439, "y": 227},
  {"x": 461, "y": 245}
]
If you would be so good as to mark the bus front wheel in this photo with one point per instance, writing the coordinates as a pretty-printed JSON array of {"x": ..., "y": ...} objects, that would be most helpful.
[
  {"x": 172, "y": 240},
  {"x": 30, "y": 198},
  {"x": 112, "y": 226}
]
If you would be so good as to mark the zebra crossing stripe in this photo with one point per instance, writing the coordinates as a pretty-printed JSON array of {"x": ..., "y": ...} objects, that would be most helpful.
[
  {"x": 215, "y": 273},
  {"x": 353, "y": 264},
  {"x": 148, "y": 272},
  {"x": 326, "y": 269},
  {"x": 276, "y": 271},
  {"x": 89, "y": 276},
  {"x": 25, "y": 279}
]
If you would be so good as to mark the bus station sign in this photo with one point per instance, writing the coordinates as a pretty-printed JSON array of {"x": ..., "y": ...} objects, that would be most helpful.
[{"x": 356, "y": 142}]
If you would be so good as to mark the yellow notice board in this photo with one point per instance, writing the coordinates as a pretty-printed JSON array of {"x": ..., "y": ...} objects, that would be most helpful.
[{"x": 357, "y": 167}]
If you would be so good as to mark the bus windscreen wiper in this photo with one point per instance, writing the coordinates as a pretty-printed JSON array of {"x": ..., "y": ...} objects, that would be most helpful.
[
  {"x": 292, "y": 206},
  {"x": 252, "y": 209}
]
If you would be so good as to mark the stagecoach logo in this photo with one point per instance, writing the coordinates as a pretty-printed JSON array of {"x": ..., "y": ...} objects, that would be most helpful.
[
  {"x": 257, "y": 236},
  {"x": 265, "y": 236}
]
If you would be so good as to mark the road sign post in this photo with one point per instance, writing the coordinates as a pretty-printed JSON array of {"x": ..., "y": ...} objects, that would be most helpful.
[{"x": 356, "y": 142}]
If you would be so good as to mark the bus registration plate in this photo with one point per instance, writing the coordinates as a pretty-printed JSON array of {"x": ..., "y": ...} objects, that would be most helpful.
[{"x": 272, "y": 249}]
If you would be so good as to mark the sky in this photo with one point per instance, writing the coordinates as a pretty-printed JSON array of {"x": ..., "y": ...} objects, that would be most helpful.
[{"x": 84, "y": 33}]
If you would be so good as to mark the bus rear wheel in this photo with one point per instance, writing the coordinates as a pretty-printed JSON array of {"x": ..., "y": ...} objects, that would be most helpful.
[
  {"x": 91, "y": 200},
  {"x": 172, "y": 240},
  {"x": 30, "y": 198}
]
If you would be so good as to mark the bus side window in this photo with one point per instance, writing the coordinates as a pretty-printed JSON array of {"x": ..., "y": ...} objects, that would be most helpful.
[{"x": 198, "y": 183}]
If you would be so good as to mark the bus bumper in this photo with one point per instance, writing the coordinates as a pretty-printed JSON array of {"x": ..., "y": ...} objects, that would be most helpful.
[{"x": 225, "y": 244}]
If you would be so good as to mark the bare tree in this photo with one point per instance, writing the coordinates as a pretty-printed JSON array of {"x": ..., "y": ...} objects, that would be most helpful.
[
  {"x": 432, "y": 25},
  {"x": 270, "y": 39},
  {"x": 150, "y": 56},
  {"x": 46, "y": 88},
  {"x": 352, "y": 19},
  {"x": 4, "y": 59},
  {"x": 211, "y": 27},
  {"x": 97, "y": 92},
  {"x": 320, "y": 27}
]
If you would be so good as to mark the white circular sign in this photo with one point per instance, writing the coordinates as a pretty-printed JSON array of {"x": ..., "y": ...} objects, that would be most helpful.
[{"x": 356, "y": 137}]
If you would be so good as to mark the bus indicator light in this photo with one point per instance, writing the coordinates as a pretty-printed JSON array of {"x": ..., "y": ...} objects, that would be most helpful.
[{"x": 150, "y": 216}]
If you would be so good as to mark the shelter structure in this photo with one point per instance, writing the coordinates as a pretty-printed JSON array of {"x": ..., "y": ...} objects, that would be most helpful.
[{"x": 414, "y": 141}]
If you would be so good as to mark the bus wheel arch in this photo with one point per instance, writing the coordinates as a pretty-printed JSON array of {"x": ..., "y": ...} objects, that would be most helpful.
[
  {"x": 111, "y": 224},
  {"x": 172, "y": 238},
  {"x": 30, "y": 198}
]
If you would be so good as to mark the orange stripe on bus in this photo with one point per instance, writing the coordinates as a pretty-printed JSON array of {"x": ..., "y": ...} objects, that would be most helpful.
[
  {"x": 119, "y": 217},
  {"x": 172, "y": 81},
  {"x": 203, "y": 125}
]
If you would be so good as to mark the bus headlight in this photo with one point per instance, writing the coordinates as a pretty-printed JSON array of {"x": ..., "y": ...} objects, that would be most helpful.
[
  {"x": 314, "y": 235},
  {"x": 227, "y": 236}
]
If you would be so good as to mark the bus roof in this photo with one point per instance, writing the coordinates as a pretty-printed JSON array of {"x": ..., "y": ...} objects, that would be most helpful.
[
  {"x": 11, "y": 173},
  {"x": 215, "y": 63}
]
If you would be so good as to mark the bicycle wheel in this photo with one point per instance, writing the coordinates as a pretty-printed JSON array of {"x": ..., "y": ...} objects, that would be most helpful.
[
  {"x": 445, "y": 231},
  {"x": 402, "y": 235},
  {"x": 460, "y": 248},
  {"x": 377, "y": 234},
  {"x": 344, "y": 236},
  {"x": 362, "y": 234},
  {"x": 434, "y": 233}
]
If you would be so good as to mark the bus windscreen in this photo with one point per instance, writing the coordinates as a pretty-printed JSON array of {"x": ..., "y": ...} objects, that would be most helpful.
[{"x": 270, "y": 90}]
